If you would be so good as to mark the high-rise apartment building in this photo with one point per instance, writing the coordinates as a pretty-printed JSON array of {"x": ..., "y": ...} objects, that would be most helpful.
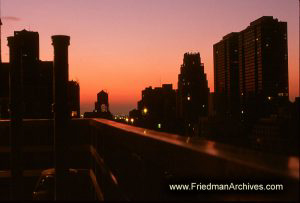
[
  {"x": 263, "y": 66},
  {"x": 226, "y": 73},
  {"x": 258, "y": 54}
]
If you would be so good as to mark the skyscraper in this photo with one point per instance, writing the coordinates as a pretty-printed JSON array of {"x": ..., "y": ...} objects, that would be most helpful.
[
  {"x": 192, "y": 95},
  {"x": 263, "y": 66},
  {"x": 36, "y": 75},
  {"x": 226, "y": 75},
  {"x": 37, "y": 78}
]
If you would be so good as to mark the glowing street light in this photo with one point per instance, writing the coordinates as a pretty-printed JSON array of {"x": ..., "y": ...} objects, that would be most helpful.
[
  {"x": 131, "y": 120},
  {"x": 145, "y": 110},
  {"x": 127, "y": 120}
]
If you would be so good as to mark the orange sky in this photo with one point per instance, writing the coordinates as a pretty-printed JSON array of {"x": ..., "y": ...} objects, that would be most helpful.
[{"x": 123, "y": 46}]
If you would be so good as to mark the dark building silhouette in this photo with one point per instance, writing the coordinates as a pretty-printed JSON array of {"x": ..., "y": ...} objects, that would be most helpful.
[
  {"x": 37, "y": 79},
  {"x": 4, "y": 90},
  {"x": 101, "y": 107},
  {"x": 192, "y": 95},
  {"x": 36, "y": 76},
  {"x": 251, "y": 84},
  {"x": 263, "y": 66},
  {"x": 251, "y": 70},
  {"x": 156, "y": 109},
  {"x": 226, "y": 76},
  {"x": 74, "y": 98}
]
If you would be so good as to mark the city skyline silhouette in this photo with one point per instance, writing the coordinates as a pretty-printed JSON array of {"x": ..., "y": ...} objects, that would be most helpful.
[
  {"x": 144, "y": 41},
  {"x": 101, "y": 117}
]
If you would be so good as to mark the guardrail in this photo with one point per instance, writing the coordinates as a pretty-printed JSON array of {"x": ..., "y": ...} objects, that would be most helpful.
[
  {"x": 131, "y": 163},
  {"x": 143, "y": 162}
]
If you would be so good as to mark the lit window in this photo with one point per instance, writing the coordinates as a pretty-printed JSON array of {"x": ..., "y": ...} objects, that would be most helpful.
[
  {"x": 188, "y": 98},
  {"x": 242, "y": 112},
  {"x": 127, "y": 120},
  {"x": 269, "y": 98},
  {"x": 203, "y": 105},
  {"x": 159, "y": 125},
  {"x": 74, "y": 114},
  {"x": 267, "y": 45},
  {"x": 145, "y": 111},
  {"x": 131, "y": 120}
]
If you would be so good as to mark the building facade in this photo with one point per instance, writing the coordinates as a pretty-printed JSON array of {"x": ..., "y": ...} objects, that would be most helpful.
[
  {"x": 37, "y": 78},
  {"x": 226, "y": 74},
  {"x": 156, "y": 109},
  {"x": 193, "y": 91},
  {"x": 263, "y": 66},
  {"x": 101, "y": 107},
  {"x": 251, "y": 70}
]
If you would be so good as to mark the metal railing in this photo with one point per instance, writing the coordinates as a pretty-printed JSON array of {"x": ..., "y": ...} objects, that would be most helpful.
[{"x": 131, "y": 163}]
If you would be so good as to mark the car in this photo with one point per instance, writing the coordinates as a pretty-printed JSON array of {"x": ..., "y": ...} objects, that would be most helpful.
[{"x": 77, "y": 185}]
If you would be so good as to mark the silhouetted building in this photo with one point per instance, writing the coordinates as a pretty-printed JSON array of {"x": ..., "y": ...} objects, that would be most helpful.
[
  {"x": 101, "y": 107},
  {"x": 278, "y": 133},
  {"x": 36, "y": 75},
  {"x": 74, "y": 98},
  {"x": 226, "y": 76},
  {"x": 37, "y": 79},
  {"x": 156, "y": 109},
  {"x": 4, "y": 87},
  {"x": 136, "y": 115},
  {"x": 211, "y": 104},
  {"x": 192, "y": 96},
  {"x": 263, "y": 66}
]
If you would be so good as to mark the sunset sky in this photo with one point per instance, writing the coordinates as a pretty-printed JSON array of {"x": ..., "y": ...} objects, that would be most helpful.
[{"x": 123, "y": 46}]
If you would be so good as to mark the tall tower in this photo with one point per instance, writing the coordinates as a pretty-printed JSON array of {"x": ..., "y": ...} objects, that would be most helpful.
[
  {"x": 192, "y": 96},
  {"x": 263, "y": 66},
  {"x": 102, "y": 102},
  {"x": 226, "y": 75}
]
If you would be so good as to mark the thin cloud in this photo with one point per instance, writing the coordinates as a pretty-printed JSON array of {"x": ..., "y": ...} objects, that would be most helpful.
[{"x": 12, "y": 18}]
